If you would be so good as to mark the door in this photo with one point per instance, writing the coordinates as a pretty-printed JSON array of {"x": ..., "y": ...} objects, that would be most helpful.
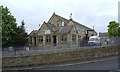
[
  {"x": 54, "y": 40},
  {"x": 34, "y": 40}
]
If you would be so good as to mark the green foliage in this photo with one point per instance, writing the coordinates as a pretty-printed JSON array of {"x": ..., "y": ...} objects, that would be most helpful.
[
  {"x": 9, "y": 27},
  {"x": 119, "y": 31},
  {"x": 11, "y": 34},
  {"x": 22, "y": 35},
  {"x": 114, "y": 29},
  {"x": 0, "y": 20}
]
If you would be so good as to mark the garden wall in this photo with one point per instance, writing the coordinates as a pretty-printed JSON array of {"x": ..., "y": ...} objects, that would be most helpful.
[{"x": 56, "y": 57}]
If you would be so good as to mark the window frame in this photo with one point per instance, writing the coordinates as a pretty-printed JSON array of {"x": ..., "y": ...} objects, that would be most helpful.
[
  {"x": 40, "y": 39},
  {"x": 48, "y": 39},
  {"x": 83, "y": 31},
  {"x": 79, "y": 30},
  {"x": 63, "y": 39},
  {"x": 58, "y": 23}
]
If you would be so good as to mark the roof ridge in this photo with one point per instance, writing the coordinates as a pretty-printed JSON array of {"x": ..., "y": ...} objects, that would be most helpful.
[
  {"x": 73, "y": 20},
  {"x": 61, "y": 17},
  {"x": 82, "y": 24},
  {"x": 33, "y": 31}
]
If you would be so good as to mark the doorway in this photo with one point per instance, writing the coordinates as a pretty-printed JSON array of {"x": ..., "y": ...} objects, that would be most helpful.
[
  {"x": 35, "y": 41},
  {"x": 54, "y": 40}
]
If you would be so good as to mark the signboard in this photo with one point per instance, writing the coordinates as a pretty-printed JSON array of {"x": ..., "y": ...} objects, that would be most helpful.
[{"x": 47, "y": 31}]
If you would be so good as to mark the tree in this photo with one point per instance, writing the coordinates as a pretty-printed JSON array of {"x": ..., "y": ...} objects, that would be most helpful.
[
  {"x": 9, "y": 27},
  {"x": 0, "y": 27},
  {"x": 12, "y": 35},
  {"x": 21, "y": 37},
  {"x": 0, "y": 20},
  {"x": 119, "y": 31},
  {"x": 114, "y": 29}
]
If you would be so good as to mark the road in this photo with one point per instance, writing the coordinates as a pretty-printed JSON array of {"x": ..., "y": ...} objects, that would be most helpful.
[
  {"x": 102, "y": 65},
  {"x": 105, "y": 63}
]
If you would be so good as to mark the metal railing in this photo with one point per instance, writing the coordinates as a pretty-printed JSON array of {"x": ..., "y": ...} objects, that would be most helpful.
[{"x": 14, "y": 51}]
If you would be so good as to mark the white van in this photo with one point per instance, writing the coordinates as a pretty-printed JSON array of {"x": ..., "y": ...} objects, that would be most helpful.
[{"x": 94, "y": 41}]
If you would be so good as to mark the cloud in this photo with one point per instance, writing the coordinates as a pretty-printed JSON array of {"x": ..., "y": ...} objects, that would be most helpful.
[{"x": 91, "y": 13}]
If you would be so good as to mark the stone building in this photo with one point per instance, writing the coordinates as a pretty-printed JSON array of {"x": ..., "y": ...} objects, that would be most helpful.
[
  {"x": 60, "y": 32},
  {"x": 103, "y": 35}
]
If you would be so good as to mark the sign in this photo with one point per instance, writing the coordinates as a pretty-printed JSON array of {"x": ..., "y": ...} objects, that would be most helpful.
[{"x": 47, "y": 31}]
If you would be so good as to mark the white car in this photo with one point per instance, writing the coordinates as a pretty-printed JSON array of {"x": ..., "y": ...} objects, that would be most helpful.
[{"x": 94, "y": 41}]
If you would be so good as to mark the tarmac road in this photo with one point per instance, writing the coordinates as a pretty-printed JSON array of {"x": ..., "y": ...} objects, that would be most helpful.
[{"x": 104, "y": 63}]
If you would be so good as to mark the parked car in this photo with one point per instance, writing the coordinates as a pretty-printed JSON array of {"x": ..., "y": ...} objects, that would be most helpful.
[{"x": 94, "y": 41}]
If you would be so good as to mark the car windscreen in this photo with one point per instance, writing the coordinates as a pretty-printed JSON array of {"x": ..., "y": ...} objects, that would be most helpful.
[{"x": 93, "y": 39}]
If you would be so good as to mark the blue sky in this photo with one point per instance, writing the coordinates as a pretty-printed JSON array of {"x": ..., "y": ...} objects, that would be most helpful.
[{"x": 97, "y": 13}]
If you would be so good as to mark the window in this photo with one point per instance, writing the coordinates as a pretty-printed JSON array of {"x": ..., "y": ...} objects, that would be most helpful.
[
  {"x": 73, "y": 38},
  {"x": 40, "y": 39},
  {"x": 63, "y": 24},
  {"x": 78, "y": 30},
  {"x": 48, "y": 38},
  {"x": 83, "y": 31},
  {"x": 95, "y": 33},
  {"x": 92, "y": 34},
  {"x": 64, "y": 39},
  {"x": 58, "y": 23}
]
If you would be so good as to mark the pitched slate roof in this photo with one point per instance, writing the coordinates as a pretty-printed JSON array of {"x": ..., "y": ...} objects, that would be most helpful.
[
  {"x": 52, "y": 27},
  {"x": 66, "y": 29},
  {"x": 66, "y": 21},
  {"x": 78, "y": 24},
  {"x": 63, "y": 19},
  {"x": 33, "y": 32}
]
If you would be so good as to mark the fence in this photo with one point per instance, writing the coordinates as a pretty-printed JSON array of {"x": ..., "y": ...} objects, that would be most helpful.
[{"x": 13, "y": 51}]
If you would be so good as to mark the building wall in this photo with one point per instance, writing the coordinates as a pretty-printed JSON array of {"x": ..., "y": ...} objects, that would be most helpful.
[
  {"x": 54, "y": 19},
  {"x": 103, "y": 35},
  {"x": 33, "y": 41}
]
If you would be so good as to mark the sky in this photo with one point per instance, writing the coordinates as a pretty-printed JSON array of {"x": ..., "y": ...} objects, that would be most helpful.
[{"x": 97, "y": 13}]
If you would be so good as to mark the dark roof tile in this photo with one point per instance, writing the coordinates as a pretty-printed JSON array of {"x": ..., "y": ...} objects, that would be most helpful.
[
  {"x": 63, "y": 19},
  {"x": 66, "y": 21},
  {"x": 66, "y": 29},
  {"x": 52, "y": 27}
]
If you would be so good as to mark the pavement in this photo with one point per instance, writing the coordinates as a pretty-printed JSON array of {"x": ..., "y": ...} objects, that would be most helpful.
[{"x": 63, "y": 64}]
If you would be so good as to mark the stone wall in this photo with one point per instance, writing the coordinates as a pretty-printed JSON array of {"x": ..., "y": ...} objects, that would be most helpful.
[{"x": 56, "y": 57}]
